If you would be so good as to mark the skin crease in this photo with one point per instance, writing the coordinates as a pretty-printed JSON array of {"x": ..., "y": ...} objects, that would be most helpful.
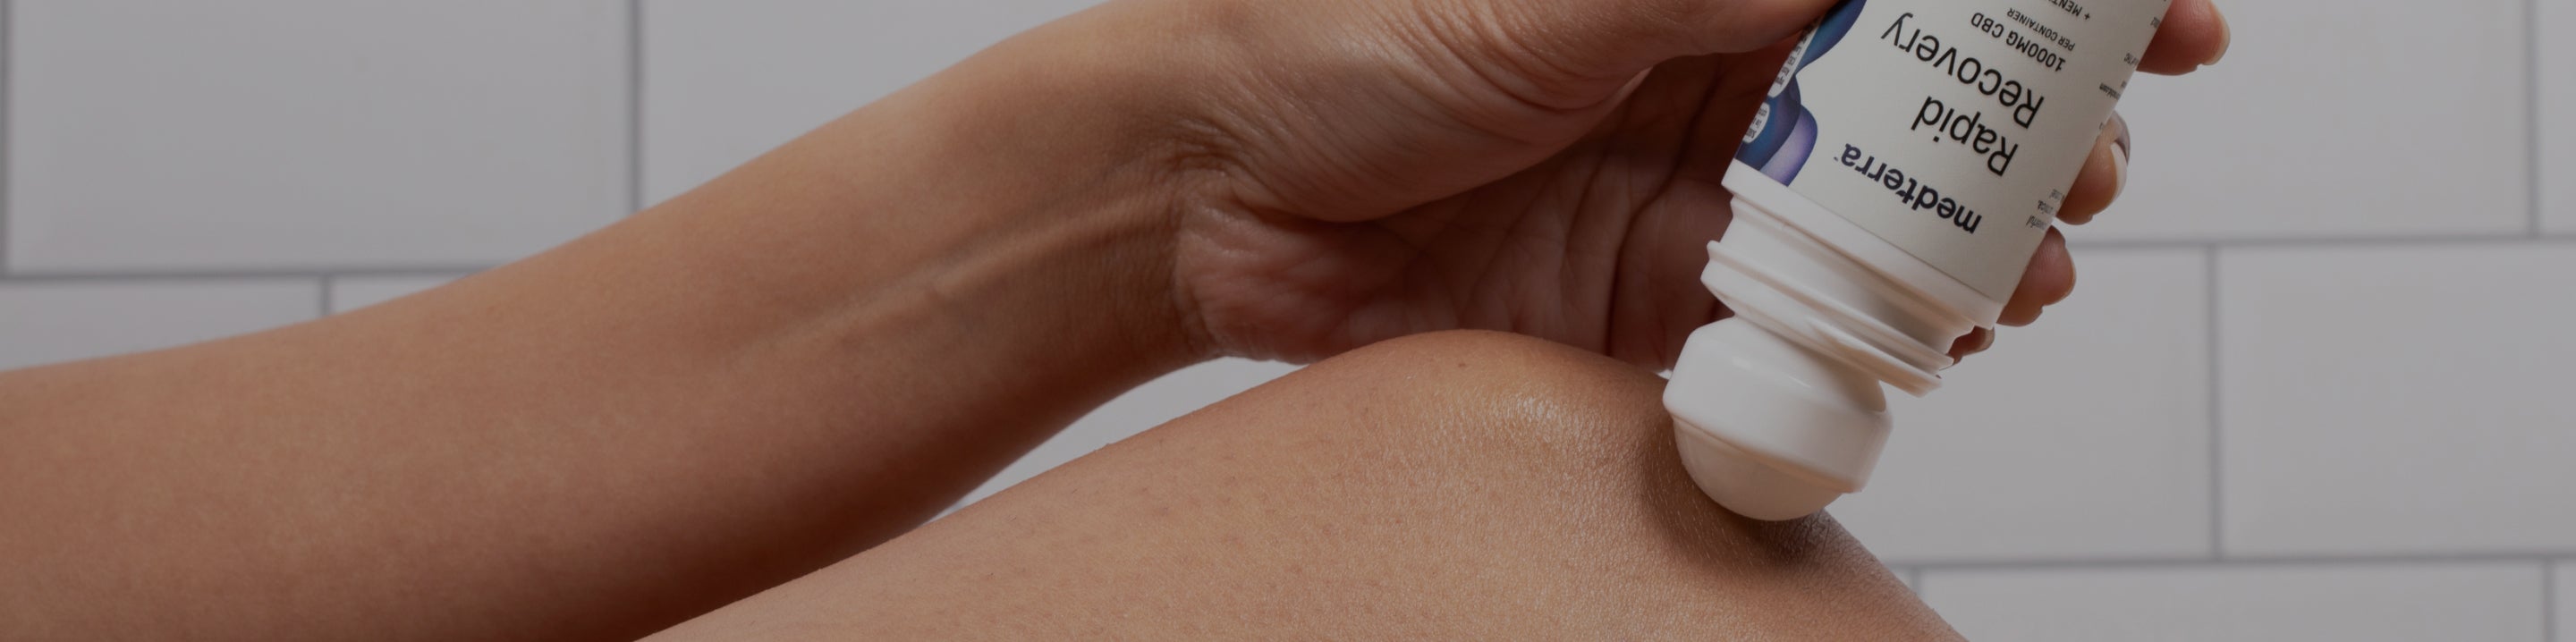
[
  {"x": 1460, "y": 485},
  {"x": 817, "y": 352}
]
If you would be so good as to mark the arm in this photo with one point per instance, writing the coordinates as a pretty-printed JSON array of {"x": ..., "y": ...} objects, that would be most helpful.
[
  {"x": 804, "y": 358},
  {"x": 812, "y": 354},
  {"x": 1449, "y": 486}
]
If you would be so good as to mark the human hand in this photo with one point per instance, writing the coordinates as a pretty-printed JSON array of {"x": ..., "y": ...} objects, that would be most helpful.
[{"x": 1368, "y": 169}]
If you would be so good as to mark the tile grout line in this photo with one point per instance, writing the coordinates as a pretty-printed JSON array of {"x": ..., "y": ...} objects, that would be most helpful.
[
  {"x": 8, "y": 29},
  {"x": 2217, "y": 465},
  {"x": 634, "y": 106},
  {"x": 2531, "y": 120}
]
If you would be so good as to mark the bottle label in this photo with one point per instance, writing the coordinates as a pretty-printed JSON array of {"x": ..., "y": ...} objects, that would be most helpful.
[{"x": 1950, "y": 128}]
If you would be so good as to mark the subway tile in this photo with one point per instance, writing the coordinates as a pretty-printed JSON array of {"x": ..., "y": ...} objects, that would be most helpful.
[
  {"x": 725, "y": 81},
  {"x": 2404, "y": 399},
  {"x": 169, "y": 135},
  {"x": 2557, "y": 101},
  {"x": 50, "y": 321},
  {"x": 2306, "y": 131},
  {"x": 2084, "y": 436},
  {"x": 2490, "y": 602},
  {"x": 2563, "y": 618},
  {"x": 1147, "y": 406},
  {"x": 353, "y": 292}
]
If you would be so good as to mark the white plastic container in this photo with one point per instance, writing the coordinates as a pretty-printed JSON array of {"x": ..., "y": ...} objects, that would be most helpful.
[{"x": 1910, "y": 158}]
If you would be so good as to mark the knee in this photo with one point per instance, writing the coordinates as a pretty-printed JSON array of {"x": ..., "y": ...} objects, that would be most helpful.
[
  {"x": 1563, "y": 444},
  {"x": 1499, "y": 483},
  {"x": 1473, "y": 401},
  {"x": 1536, "y": 465}
]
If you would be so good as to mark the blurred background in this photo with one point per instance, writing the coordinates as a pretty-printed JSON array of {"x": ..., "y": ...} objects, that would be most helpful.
[{"x": 2315, "y": 384}]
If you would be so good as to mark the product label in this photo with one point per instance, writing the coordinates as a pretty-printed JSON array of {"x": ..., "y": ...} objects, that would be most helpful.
[{"x": 1950, "y": 128}]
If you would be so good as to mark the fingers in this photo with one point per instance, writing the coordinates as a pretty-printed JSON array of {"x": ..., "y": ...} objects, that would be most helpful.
[
  {"x": 2050, "y": 278},
  {"x": 2194, "y": 35},
  {"x": 2105, "y": 174},
  {"x": 1978, "y": 340},
  {"x": 1612, "y": 39}
]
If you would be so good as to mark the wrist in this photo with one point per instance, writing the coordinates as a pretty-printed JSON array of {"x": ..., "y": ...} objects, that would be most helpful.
[
  {"x": 1036, "y": 178},
  {"x": 1090, "y": 136}
]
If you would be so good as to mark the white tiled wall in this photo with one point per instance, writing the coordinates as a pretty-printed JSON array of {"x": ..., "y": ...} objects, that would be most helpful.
[
  {"x": 2272, "y": 144},
  {"x": 2406, "y": 399},
  {"x": 49, "y": 321},
  {"x": 2084, "y": 437},
  {"x": 2563, "y": 614},
  {"x": 311, "y": 134},
  {"x": 725, "y": 81},
  {"x": 2310, "y": 388},
  {"x": 2557, "y": 96}
]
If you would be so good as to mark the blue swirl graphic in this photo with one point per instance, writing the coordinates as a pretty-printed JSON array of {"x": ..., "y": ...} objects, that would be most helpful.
[{"x": 1788, "y": 137}]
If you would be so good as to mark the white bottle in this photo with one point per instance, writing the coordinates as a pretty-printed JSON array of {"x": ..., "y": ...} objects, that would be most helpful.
[{"x": 1908, "y": 161}]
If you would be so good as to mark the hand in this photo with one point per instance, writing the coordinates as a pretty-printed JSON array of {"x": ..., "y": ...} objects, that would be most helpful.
[{"x": 1377, "y": 168}]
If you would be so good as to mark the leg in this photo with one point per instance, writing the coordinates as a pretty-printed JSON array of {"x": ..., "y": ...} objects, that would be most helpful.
[{"x": 1459, "y": 485}]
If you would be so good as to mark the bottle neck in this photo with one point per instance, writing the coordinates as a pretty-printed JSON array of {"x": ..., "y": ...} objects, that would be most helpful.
[{"x": 1773, "y": 271}]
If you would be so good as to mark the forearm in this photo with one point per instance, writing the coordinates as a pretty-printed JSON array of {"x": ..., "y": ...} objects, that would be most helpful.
[{"x": 801, "y": 359}]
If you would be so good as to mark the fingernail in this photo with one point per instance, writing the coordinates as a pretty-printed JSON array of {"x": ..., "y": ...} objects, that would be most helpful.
[
  {"x": 2121, "y": 139},
  {"x": 2119, "y": 155},
  {"x": 2226, "y": 35},
  {"x": 2119, "y": 168}
]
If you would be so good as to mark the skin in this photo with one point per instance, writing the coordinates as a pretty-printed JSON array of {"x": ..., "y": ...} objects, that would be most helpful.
[
  {"x": 1456, "y": 485},
  {"x": 811, "y": 355},
  {"x": 1559, "y": 179}
]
